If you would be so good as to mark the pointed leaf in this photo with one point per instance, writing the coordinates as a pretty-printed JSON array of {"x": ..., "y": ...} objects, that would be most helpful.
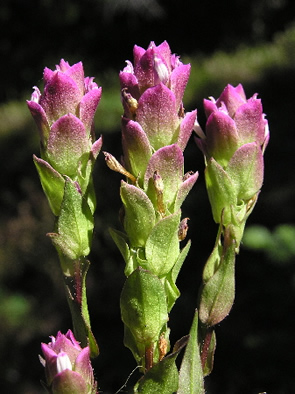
[
  {"x": 139, "y": 214},
  {"x": 191, "y": 373},
  {"x": 120, "y": 240},
  {"x": 75, "y": 224},
  {"x": 186, "y": 128},
  {"x": 218, "y": 293},
  {"x": 143, "y": 306},
  {"x": 184, "y": 190},
  {"x": 172, "y": 291},
  {"x": 52, "y": 183},
  {"x": 162, "y": 246},
  {"x": 207, "y": 369},
  {"x": 221, "y": 191},
  {"x": 162, "y": 378},
  {"x": 168, "y": 162},
  {"x": 136, "y": 147},
  {"x": 77, "y": 301},
  {"x": 180, "y": 260},
  {"x": 245, "y": 170}
]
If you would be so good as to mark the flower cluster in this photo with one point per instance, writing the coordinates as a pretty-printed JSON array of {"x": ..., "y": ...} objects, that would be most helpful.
[
  {"x": 236, "y": 136},
  {"x": 64, "y": 114},
  {"x": 152, "y": 92}
]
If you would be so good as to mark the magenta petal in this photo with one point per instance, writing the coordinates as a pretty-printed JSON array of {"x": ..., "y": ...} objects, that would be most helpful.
[
  {"x": 202, "y": 145},
  {"x": 246, "y": 170},
  {"x": 144, "y": 70},
  {"x": 76, "y": 72},
  {"x": 168, "y": 163},
  {"x": 47, "y": 75},
  {"x": 136, "y": 147},
  {"x": 138, "y": 52},
  {"x": 70, "y": 336},
  {"x": 82, "y": 364},
  {"x": 186, "y": 128},
  {"x": 67, "y": 344},
  {"x": 240, "y": 91},
  {"x": 96, "y": 147},
  {"x": 40, "y": 118},
  {"x": 66, "y": 144},
  {"x": 184, "y": 189},
  {"x": 61, "y": 95},
  {"x": 157, "y": 115},
  {"x": 50, "y": 357},
  {"x": 88, "y": 106},
  {"x": 47, "y": 351},
  {"x": 165, "y": 52},
  {"x": 222, "y": 137},
  {"x": 233, "y": 98},
  {"x": 63, "y": 66},
  {"x": 250, "y": 121},
  {"x": 209, "y": 107},
  {"x": 129, "y": 81},
  {"x": 179, "y": 78}
]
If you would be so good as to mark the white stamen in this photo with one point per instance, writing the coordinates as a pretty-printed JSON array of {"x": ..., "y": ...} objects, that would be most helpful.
[
  {"x": 161, "y": 69},
  {"x": 63, "y": 362},
  {"x": 198, "y": 130},
  {"x": 129, "y": 68},
  {"x": 36, "y": 95}
]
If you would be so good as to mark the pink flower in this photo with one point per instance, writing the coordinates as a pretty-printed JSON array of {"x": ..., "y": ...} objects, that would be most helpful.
[{"x": 67, "y": 366}]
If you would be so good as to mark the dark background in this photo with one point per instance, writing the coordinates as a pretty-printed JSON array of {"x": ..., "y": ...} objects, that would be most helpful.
[{"x": 252, "y": 42}]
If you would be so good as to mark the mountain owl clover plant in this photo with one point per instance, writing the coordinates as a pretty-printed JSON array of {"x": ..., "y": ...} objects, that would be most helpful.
[{"x": 155, "y": 131}]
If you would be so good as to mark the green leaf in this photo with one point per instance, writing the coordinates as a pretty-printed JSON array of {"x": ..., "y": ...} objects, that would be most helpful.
[
  {"x": 172, "y": 292},
  {"x": 218, "y": 293},
  {"x": 168, "y": 163},
  {"x": 208, "y": 366},
  {"x": 162, "y": 246},
  {"x": 136, "y": 348},
  {"x": 245, "y": 170},
  {"x": 191, "y": 373},
  {"x": 180, "y": 260},
  {"x": 143, "y": 306},
  {"x": 163, "y": 376},
  {"x": 86, "y": 184},
  {"x": 75, "y": 224},
  {"x": 221, "y": 191},
  {"x": 52, "y": 182},
  {"x": 214, "y": 259},
  {"x": 77, "y": 300},
  {"x": 139, "y": 214},
  {"x": 120, "y": 240}
]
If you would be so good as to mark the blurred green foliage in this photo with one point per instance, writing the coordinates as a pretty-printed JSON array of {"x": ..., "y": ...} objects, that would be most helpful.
[{"x": 278, "y": 245}]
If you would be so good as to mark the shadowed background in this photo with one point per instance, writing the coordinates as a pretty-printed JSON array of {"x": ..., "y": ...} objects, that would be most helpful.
[{"x": 252, "y": 42}]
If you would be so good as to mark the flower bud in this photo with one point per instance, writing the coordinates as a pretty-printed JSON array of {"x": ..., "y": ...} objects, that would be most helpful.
[{"x": 67, "y": 366}]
